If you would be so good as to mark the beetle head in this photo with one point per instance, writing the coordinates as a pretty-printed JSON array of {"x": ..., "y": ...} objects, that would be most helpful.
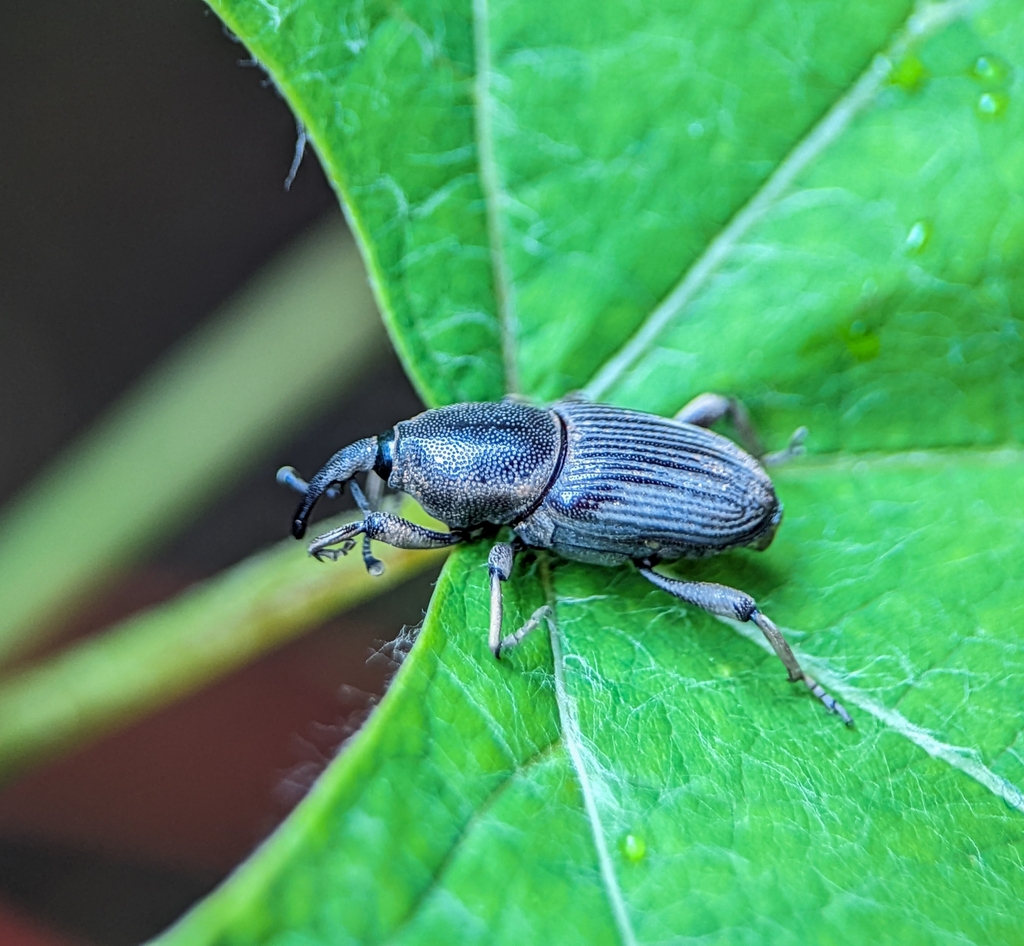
[{"x": 336, "y": 472}]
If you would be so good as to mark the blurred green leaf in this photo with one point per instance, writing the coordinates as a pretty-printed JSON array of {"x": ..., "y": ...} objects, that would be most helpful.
[
  {"x": 299, "y": 334},
  {"x": 818, "y": 208},
  {"x": 173, "y": 649}
]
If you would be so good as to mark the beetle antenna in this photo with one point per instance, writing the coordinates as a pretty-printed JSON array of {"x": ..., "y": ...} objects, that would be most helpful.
[
  {"x": 288, "y": 476},
  {"x": 335, "y": 472}
]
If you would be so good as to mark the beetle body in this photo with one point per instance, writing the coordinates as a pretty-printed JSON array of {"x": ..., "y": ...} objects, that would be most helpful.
[
  {"x": 637, "y": 486},
  {"x": 590, "y": 482}
]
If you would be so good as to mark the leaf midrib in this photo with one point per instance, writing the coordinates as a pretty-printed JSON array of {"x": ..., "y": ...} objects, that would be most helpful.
[{"x": 573, "y": 739}]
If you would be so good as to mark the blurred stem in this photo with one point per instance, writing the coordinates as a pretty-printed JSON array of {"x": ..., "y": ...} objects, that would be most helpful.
[
  {"x": 160, "y": 655},
  {"x": 294, "y": 339}
]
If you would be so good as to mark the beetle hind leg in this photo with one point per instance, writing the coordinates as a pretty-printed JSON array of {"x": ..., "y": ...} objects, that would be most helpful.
[
  {"x": 708, "y": 409},
  {"x": 795, "y": 448},
  {"x": 796, "y": 672},
  {"x": 730, "y": 603}
]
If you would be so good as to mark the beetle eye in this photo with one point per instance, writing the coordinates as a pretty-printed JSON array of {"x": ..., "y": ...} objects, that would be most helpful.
[{"x": 385, "y": 454}]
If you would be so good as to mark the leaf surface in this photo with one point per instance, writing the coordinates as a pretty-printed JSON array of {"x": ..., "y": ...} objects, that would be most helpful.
[{"x": 817, "y": 208}]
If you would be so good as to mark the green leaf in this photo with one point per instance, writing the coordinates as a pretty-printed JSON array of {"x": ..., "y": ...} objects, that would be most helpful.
[
  {"x": 385, "y": 94},
  {"x": 171, "y": 444},
  {"x": 818, "y": 208}
]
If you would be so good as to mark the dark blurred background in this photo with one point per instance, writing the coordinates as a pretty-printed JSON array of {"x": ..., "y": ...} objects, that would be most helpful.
[{"x": 142, "y": 173}]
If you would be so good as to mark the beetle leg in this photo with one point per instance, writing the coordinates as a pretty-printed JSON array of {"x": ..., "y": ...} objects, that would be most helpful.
[
  {"x": 373, "y": 565},
  {"x": 730, "y": 603},
  {"x": 384, "y": 527},
  {"x": 707, "y": 409},
  {"x": 795, "y": 448},
  {"x": 374, "y": 489},
  {"x": 512, "y": 640},
  {"x": 796, "y": 672},
  {"x": 288, "y": 476},
  {"x": 499, "y": 565}
]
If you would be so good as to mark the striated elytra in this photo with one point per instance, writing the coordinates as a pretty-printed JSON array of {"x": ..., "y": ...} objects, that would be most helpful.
[{"x": 590, "y": 482}]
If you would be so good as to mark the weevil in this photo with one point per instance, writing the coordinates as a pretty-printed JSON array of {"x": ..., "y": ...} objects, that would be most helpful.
[{"x": 590, "y": 482}]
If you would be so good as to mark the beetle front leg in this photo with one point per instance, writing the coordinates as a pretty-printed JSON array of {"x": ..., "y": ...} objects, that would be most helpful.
[
  {"x": 373, "y": 565},
  {"x": 384, "y": 527},
  {"x": 730, "y": 603}
]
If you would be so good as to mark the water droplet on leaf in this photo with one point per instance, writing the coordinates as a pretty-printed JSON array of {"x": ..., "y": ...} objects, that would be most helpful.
[
  {"x": 695, "y": 130},
  {"x": 918, "y": 236},
  {"x": 990, "y": 70},
  {"x": 992, "y": 104},
  {"x": 634, "y": 848}
]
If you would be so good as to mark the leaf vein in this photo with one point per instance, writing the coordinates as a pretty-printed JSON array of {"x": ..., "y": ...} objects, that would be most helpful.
[
  {"x": 478, "y": 813},
  {"x": 925, "y": 19},
  {"x": 959, "y": 757},
  {"x": 573, "y": 740}
]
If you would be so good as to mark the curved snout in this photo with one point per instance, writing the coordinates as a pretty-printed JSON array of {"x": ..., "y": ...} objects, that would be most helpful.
[
  {"x": 302, "y": 513},
  {"x": 336, "y": 472}
]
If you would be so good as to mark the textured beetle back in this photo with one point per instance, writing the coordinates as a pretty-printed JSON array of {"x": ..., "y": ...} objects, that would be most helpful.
[
  {"x": 636, "y": 485},
  {"x": 477, "y": 463}
]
